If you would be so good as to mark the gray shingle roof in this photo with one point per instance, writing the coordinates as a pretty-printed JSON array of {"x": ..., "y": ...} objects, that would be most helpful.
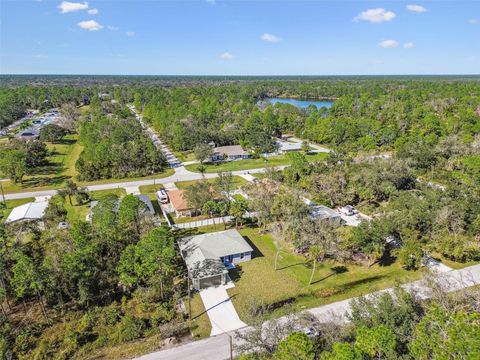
[{"x": 202, "y": 253}]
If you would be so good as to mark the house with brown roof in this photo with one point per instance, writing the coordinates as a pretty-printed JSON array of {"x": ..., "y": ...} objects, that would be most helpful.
[
  {"x": 179, "y": 203},
  {"x": 231, "y": 152}
]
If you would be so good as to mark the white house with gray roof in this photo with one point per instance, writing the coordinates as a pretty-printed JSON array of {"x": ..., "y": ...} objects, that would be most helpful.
[{"x": 209, "y": 256}]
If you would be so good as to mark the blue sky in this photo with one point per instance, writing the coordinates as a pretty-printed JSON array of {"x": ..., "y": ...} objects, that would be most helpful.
[{"x": 239, "y": 37}]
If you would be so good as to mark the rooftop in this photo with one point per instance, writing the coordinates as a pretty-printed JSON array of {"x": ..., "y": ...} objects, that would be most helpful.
[
  {"x": 230, "y": 150},
  {"x": 202, "y": 253},
  {"x": 29, "y": 211},
  {"x": 288, "y": 146},
  {"x": 178, "y": 201},
  {"x": 323, "y": 212}
]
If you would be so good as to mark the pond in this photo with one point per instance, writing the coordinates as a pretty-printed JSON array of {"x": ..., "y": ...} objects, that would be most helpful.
[{"x": 302, "y": 103}]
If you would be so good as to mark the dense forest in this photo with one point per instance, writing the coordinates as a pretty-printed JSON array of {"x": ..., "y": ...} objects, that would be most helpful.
[
  {"x": 100, "y": 283},
  {"x": 116, "y": 146}
]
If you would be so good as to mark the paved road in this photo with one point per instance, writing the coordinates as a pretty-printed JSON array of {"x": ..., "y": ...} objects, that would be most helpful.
[
  {"x": 181, "y": 174},
  {"x": 218, "y": 347}
]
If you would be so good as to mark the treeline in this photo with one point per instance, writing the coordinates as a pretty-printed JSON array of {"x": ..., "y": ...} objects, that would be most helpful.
[
  {"x": 96, "y": 284},
  {"x": 12, "y": 107},
  {"x": 115, "y": 146}
]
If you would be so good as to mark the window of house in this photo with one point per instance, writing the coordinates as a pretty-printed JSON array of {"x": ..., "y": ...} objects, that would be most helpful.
[{"x": 242, "y": 255}]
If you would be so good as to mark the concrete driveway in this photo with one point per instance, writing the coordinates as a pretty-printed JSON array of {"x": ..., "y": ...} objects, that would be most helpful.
[{"x": 220, "y": 310}]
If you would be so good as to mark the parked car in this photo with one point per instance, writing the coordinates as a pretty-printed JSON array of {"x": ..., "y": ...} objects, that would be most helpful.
[
  {"x": 348, "y": 210},
  {"x": 162, "y": 196}
]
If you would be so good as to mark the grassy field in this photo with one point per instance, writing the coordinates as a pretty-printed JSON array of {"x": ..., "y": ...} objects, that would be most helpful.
[
  {"x": 62, "y": 168},
  {"x": 247, "y": 164},
  {"x": 290, "y": 283},
  {"x": 10, "y": 204}
]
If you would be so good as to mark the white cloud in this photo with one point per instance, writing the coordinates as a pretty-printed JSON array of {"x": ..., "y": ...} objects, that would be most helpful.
[
  {"x": 211, "y": 2},
  {"x": 389, "y": 44},
  {"x": 113, "y": 28},
  {"x": 93, "y": 11},
  {"x": 227, "y": 56},
  {"x": 90, "y": 25},
  {"x": 409, "y": 45},
  {"x": 67, "y": 6},
  {"x": 130, "y": 33},
  {"x": 40, "y": 56},
  {"x": 270, "y": 38},
  {"x": 474, "y": 21},
  {"x": 416, "y": 8},
  {"x": 378, "y": 15}
]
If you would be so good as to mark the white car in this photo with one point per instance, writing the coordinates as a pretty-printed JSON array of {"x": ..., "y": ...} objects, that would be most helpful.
[{"x": 162, "y": 196}]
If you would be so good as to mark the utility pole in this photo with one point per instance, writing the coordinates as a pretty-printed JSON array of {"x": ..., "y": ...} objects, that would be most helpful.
[
  {"x": 231, "y": 347},
  {"x": 3, "y": 195},
  {"x": 189, "y": 298}
]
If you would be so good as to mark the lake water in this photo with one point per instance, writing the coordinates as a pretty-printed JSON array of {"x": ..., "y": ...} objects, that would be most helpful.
[{"x": 303, "y": 104}]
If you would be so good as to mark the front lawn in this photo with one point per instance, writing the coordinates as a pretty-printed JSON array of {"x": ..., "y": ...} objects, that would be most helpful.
[
  {"x": 248, "y": 164},
  {"x": 241, "y": 164},
  {"x": 237, "y": 182}
]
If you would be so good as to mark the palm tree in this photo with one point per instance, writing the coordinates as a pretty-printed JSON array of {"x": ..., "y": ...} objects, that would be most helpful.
[{"x": 210, "y": 207}]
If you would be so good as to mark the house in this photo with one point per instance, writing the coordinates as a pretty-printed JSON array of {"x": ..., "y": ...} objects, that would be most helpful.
[
  {"x": 179, "y": 203},
  {"x": 148, "y": 203},
  {"x": 209, "y": 256},
  {"x": 287, "y": 146},
  {"x": 325, "y": 213},
  {"x": 28, "y": 134},
  {"x": 232, "y": 152},
  {"x": 28, "y": 212}
]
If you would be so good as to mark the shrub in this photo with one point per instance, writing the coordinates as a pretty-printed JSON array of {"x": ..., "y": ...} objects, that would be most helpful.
[{"x": 129, "y": 328}]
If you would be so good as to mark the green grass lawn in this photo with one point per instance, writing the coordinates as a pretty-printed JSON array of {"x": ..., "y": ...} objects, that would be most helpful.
[
  {"x": 290, "y": 283},
  {"x": 237, "y": 182},
  {"x": 10, "y": 204},
  {"x": 184, "y": 156},
  {"x": 253, "y": 163},
  {"x": 201, "y": 326},
  {"x": 62, "y": 168}
]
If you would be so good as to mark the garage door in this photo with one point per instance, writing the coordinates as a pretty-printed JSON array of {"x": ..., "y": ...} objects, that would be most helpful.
[{"x": 211, "y": 281}]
